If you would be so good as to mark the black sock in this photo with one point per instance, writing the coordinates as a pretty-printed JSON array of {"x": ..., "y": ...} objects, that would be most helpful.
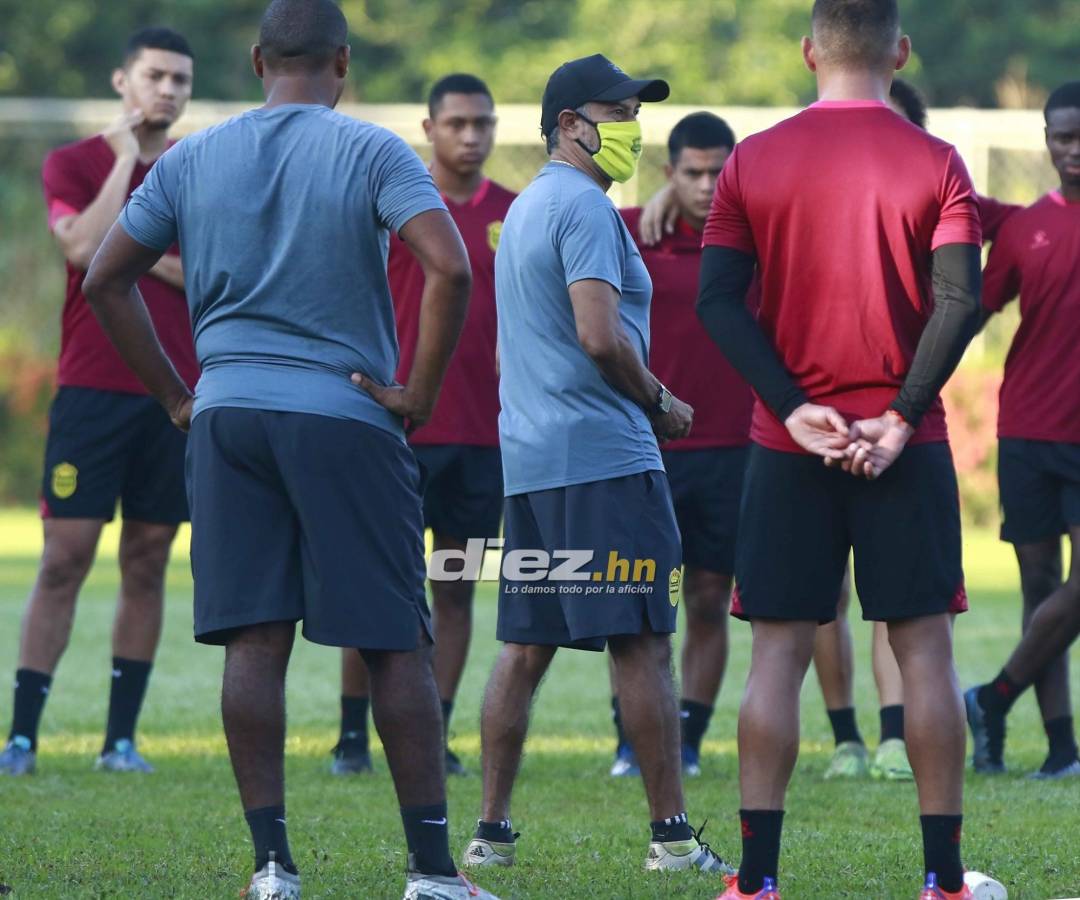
[
  {"x": 999, "y": 695},
  {"x": 447, "y": 711},
  {"x": 129, "y": 678},
  {"x": 941, "y": 850},
  {"x": 428, "y": 839},
  {"x": 892, "y": 722},
  {"x": 501, "y": 832},
  {"x": 616, "y": 717},
  {"x": 1059, "y": 734},
  {"x": 268, "y": 834},
  {"x": 760, "y": 847},
  {"x": 694, "y": 719},
  {"x": 31, "y": 690},
  {"x": 674, "y": 828},
  {"x": 354, "y": 713},
  {"x": 843, "y": 728}
]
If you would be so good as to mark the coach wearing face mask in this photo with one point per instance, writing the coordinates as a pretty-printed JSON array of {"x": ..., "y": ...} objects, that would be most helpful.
[{"x": 581, "y": 414}]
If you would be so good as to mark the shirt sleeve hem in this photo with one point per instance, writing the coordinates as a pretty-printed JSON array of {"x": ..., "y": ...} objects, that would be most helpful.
[
  {"x": 427, "y": 206},
  {"x": 595, "y": 277},
  {"x": 139, "y": 235}
]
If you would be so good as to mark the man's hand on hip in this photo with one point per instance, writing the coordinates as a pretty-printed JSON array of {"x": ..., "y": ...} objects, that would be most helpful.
[
  {"x": 398, "y": 400},
  {"x": 675, "y": 423},
  {"x": 180, "y": 413}
]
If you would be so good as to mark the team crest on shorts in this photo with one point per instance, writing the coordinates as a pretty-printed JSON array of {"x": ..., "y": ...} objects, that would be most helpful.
[
  {"x": 494, "y": 230},
  {"x": 674, "y": 586},
  {"x": 65, "y": 479}
]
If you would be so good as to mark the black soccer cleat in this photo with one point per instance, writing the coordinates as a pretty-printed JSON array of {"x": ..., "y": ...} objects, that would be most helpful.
[
  {"x": 988, "y": 735},
  {"x": 351, "y": 757}
]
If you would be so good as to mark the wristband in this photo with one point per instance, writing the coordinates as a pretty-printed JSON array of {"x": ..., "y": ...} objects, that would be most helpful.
[{"x": 900, "y": 418}]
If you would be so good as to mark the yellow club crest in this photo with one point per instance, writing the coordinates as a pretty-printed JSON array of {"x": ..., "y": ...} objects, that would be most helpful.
[
  {"x": 494, "y": 230},
  {"x": 65, "y": 479},
  {"x": 674, "y": 585}
]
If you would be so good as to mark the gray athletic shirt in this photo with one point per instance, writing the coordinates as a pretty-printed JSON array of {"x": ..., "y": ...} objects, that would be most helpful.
[
  {"x": 283, "y": 217},
  {"x": 561, "y": 423}
]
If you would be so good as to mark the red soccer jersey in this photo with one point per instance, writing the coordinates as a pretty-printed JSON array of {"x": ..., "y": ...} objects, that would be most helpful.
[
  {"x": 681, "y": 353},
  {"x": 1037, "y": 255},
  {"x": 993, "y": 214},
  {"x": 72, "y": 177},
  {"x": 842, "y": 205},
  {"x": 467, "y": 411}
]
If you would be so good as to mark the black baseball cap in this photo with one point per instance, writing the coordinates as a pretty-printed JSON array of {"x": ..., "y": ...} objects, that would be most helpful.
[{"x": 590, "y": 78}]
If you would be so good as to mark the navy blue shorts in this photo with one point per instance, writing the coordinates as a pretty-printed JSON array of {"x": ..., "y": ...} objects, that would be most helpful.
[
  {"x": 1039, "y": 484},
  {"x": 298, "y": 516},
  {"x": 105, "y": 446},
  {"x": 706, "y": 486},
  {"x": 626, "y": 563},
  {"x": 463, "y": 490},
  {"x": 800, "y": 520}
]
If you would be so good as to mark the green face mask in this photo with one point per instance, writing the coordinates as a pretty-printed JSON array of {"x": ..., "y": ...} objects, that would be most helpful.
[{"x": 620, "y": 148}]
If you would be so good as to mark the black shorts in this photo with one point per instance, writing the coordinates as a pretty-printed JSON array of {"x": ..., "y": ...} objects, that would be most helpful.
[
  {"x": 1039, "y": 486},
  {"x": 463, "y": 490},
  {"x": 628, "y": 563},
  {"x": 706, "y": 486},
  {"x": 105, "y": 446},
  {"x": 298, "y": 516},
  {"x": 800, "y": 520}
]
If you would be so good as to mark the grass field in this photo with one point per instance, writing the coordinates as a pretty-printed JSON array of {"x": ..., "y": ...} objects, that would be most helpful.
[{"x": 71, "y": 832}]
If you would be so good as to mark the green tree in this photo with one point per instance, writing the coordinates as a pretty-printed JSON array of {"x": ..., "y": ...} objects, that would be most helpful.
[{"x": 980, "y": 52}]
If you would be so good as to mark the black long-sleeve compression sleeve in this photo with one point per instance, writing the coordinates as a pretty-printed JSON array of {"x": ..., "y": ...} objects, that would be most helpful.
[
  {"x": 954, "y": 322},
  {"x": 721, "y": 306}
]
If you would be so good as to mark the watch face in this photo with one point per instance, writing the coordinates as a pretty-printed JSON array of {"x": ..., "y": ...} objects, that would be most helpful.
[{"x": 665, "y": 400}]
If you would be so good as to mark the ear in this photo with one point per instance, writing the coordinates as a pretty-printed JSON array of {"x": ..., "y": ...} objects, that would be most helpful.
[
  {"x": 428, "y": 127},
  {"x": 341, "y": 61},
  {"x": 568, "y": 120},
  {"x": 903, "y": 52},
  {"x": 808, "y": 54},
  {"x": 119, "y": 81},
  {"x": 669, "y": 171},
  {"x": 257, "y": 61}
]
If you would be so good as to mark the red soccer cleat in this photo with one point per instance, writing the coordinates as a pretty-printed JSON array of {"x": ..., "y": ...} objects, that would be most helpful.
[{"x": 767, "y": 892}]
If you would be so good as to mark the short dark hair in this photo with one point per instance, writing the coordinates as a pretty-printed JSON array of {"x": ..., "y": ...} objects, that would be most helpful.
[
  {"x": 701, "y": 131},
  {"x": 156, "y": 38},
  {"x": 856, "y": 32},
  {"x": 910, "y": 100},
  {"x": 458, "y": 83},
  {"x": 1065, "y": 97},
  {"x": 302, "y": 34}
]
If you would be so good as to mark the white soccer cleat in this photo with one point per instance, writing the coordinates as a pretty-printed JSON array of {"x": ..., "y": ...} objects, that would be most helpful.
[
  {"x": 443, "y": 887},
  {"x": 983, "y": 887},
  {"x": 488, "y": 853},
  {"x": 272, "y": 882},
  {"x": 690, "y": 854}
]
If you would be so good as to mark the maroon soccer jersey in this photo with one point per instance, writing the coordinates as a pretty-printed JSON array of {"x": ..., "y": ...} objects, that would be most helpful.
[
  {"x": 72, "y": 177},
  {"x": 681, "y": 353},
  {"x": 842, "y": 206},
  {"x": 1037, "y": 255},
  {"x": 467, "y": 411},
  {"x": 993, "y": 214}
]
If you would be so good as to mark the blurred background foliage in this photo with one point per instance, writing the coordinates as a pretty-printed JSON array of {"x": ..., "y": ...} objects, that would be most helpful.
[{"x": 968, "y": 52}]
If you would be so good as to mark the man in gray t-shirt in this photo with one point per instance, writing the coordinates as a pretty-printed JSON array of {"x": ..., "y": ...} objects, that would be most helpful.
[
  {"x": 592, "y": 552},
  {"x": 305, "y": 498}
]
